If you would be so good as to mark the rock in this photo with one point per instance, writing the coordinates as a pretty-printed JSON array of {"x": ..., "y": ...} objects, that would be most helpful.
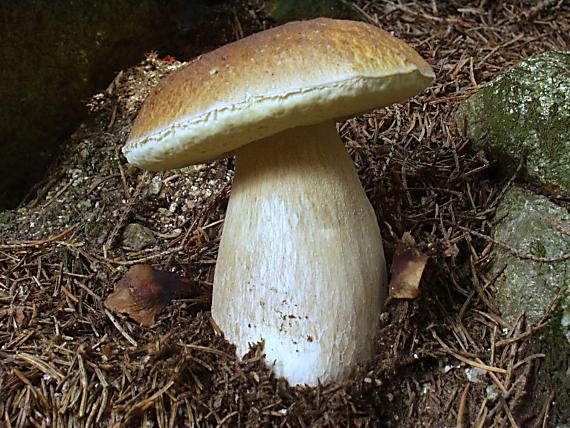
[
  {"x": 532, "y": 224},
  {"x": 529, "y": 224},
  {"x": 137, "y": 237},
  {"x": 57, "y": 54},
  {"x": 291, "y": 10},
  {"x": 155, "y": 186},
  {"x": 526, "y": 109}
]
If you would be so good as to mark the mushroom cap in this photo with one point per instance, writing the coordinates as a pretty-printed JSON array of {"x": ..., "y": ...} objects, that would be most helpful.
[{"x": 301, "y": 73}]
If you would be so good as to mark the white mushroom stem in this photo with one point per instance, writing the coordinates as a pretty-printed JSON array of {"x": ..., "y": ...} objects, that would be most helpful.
[{"x": 300, "y": 265}]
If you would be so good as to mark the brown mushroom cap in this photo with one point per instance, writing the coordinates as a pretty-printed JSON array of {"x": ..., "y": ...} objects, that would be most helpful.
[{"x": 298, "y": 74}]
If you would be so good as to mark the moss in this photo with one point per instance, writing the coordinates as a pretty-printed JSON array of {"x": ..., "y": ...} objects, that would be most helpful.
[
  {"x": 531, "y": 287},
  {"x": 537, "y": 249},
  {"x": 53, "y": 60},
  {"x": 553, "y": 374},
  {"x": 526, "y": 110},
  {"x": 525, "y": 285}
]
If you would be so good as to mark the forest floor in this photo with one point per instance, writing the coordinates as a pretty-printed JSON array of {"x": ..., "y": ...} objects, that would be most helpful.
[{"x": 444, "y": 359}]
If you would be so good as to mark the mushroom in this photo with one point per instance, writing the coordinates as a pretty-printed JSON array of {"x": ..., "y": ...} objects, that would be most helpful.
[{"x": 301, "y": 266}]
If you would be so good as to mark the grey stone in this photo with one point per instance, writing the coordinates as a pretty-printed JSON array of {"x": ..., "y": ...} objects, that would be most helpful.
[
  {"x": 525, "y": 110},
  {"x": 532, "y": 224},
  {"x": 528, "y": 225},
  {"x": 137, "y": 236},
  {"x": 155, "y": 186},
  {"x": 57, "y": 54}
]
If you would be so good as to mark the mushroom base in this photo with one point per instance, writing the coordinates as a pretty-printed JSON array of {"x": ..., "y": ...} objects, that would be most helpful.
[{"x": 301, "y": 266}]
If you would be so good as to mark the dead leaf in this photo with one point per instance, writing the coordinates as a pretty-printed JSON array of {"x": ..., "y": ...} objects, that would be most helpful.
[
  {"x": 143, "y": 293},
  {"x": 169, "y": 58},
  {"x": 407, "y": 268},
  {"x": 19, "y": 315},
  {"x": 107, "y": 350}
]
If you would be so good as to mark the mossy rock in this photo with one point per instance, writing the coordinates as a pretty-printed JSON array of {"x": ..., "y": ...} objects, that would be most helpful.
[
  {"x": 532, "y": 224},
  {"x": 56, "y": 54},
  {"x": 525, "y": 111}
]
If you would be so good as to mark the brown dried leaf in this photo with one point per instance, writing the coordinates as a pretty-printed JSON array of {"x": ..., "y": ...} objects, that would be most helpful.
[
  {"x": 19, "y": 315},
  {"x": 407, "y": 268},
  {"x": 107, "y": 350},
  {"x": 143, "y": 293}
]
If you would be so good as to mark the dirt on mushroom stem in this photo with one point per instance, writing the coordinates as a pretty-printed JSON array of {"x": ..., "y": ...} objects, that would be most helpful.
[{"x": 64, "y": 359}]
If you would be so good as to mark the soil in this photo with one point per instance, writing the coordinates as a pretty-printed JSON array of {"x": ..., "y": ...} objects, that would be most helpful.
[{"x": 444, "y": 359}]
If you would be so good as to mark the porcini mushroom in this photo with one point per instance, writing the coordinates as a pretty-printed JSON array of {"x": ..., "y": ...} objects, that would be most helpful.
[{"x": 300, "y": 265}]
